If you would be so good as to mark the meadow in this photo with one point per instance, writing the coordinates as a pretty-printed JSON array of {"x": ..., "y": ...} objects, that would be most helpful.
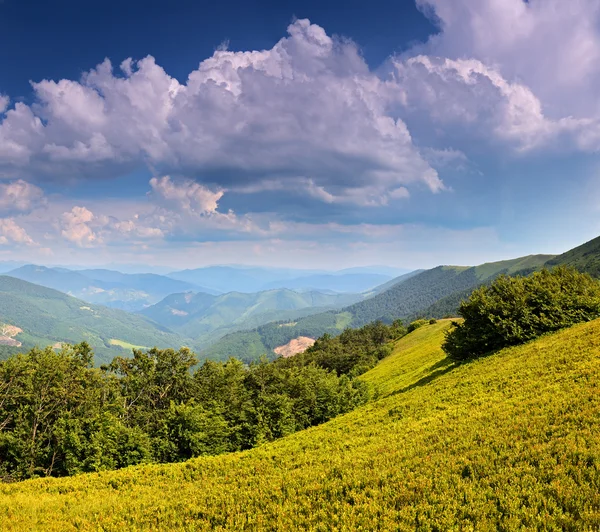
[{"x": 506, "y": 442}]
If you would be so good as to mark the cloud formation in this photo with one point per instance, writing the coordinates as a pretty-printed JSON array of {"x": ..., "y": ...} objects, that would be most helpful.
[
  {"x": 527, "y": 72},
  {"x": 12, "y": 233},
  {"x": 19, "y": 196},
  {"x": 309, "y": 108}
]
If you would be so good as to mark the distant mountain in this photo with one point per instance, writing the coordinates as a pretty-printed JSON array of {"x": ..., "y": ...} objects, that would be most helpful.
[
  {"x": 380, "y": 270},
  {"x": 401, "y": 278},
  {"x": 405, "y": 297},
  {"x": 106, "y": 287},
  {"x": 255, "y": 279},
  {"x": 348, "y": 282},
  {"x": 8, "y": 265},
  {"x": 585, "y": 258},
  {"x": 206, "y": 318},
  {"x": 49, "y": 317}
]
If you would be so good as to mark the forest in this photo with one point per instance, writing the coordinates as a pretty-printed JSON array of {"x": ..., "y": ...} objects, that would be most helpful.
[{"x": 61, "y": 416}]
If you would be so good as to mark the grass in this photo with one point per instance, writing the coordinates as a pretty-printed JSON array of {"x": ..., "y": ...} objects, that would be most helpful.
[
  {"x": 507, "y": 442},
  {"x": 125, "y": 345},
  {"x": 343, "y": 320}
]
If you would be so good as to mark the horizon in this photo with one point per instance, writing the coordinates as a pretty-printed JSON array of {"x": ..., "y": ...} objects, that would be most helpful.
[{"x": 297, "y": 134}]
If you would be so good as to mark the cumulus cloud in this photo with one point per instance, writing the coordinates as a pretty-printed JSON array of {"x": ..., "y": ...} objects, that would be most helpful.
[
  {"x": 4, "y": 101},
  {"x": 469, "y": 92},
  {"x": 309, "y": 106},
  {"x": 551, "y": 46},
  {"x": 12, "y": 233},
  {"x": 525, "y": 71},
  {"x": 77, "y": 227},
  {"x": 186, "y": 195},
  {"x": 19, "y": 196}
]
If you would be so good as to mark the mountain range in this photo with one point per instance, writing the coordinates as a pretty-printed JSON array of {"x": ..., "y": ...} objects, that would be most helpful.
[
  {"x": 206, "y": 317},
  {"x": 173, "y": 311}
]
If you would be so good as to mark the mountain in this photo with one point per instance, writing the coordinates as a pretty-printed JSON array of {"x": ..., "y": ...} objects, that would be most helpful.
[
  {"x": 348, "y": 282},
  {"x": 105, "y": 287},
  {"x": 507, "y": 442},
  {"x": 206, "y": 318},
  {"x": 408, "y": 296},
  {"x": 255, "y": 279},
  {"x": 49, "y": 317},
  {"x": 8, "y": 265},
  {"x": 585, "y": 258}
]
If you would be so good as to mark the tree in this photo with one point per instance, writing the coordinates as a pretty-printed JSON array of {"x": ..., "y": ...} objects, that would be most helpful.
[{"x": 513, "y": 310}]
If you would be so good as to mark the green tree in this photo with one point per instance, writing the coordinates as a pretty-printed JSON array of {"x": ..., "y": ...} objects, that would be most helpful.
[{"x": 513, "y": 310}]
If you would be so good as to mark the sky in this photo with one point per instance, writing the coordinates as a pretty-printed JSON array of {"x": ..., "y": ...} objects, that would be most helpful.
[{"x": 299, "y": 134}]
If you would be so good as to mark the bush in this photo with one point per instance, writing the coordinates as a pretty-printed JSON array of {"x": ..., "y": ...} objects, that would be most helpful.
[
  {"x": 432, "y": 321},
  {"x": 514, "y": 310},
  {"x": 415, "y": 325}
]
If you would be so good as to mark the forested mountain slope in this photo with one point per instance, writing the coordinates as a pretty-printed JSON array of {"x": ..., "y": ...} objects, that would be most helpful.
[
  {"x": 506, "y": 442},
  {"x": 48, "y": 317},
  {"x": 585, "y": 258}
]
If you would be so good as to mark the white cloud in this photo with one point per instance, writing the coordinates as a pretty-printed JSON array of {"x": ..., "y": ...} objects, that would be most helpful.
[
  {"x": 19, "y": 196},
  {"x": 308, "y": 106},
  {"x": 525, "y": 72},
  {"x": 186, "y": 195},
  {"x": 77, "y": 227},
  {"x": 551, "y": 46},
  {"x": 12, "y": 233},
  {"x": 4, "y": 101}
]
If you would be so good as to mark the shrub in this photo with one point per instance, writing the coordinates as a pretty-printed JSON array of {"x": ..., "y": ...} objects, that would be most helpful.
[
  {"x": 432, "y": 321},
  {"x": 415, "y": 325},
  {"x": 514, "y": 310}
]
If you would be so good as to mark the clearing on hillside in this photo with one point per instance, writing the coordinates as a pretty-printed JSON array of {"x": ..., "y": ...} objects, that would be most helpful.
[
  {"x": 506, "y": 442},
  {"x": 295, "y": 346}
]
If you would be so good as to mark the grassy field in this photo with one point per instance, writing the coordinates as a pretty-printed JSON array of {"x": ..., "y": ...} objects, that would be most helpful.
[
  {"x": 125, "y": 345},
  {"x": 507, "y": 442}
]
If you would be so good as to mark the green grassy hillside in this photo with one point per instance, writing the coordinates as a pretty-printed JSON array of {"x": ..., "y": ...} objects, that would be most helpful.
[
  {"x": 48, "y": 317},
  {"x": 585, "y": 258},
  {"x": 506, "y": 442}
]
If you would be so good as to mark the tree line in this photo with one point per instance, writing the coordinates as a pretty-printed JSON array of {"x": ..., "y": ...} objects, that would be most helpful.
[{"x": 59, "y": 415}]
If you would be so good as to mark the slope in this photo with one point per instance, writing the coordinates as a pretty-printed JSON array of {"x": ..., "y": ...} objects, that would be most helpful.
[
  {"x": 585, "y": 258},
  {"x": 48, "y": 317},
  {"x": 507, "y": 442}
]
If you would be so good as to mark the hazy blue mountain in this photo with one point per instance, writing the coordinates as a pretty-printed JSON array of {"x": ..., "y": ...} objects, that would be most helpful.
[
  {"x": 238, "y": 278},
  {"x": 338, "y": 282},
  {"x": 8, "y": 265},
  {"x": 105, "y": 287},
  {"x": 381, "y": 270},
  {"x": 256, "y": 279}
]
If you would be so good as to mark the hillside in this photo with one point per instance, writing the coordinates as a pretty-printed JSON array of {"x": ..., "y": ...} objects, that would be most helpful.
[
  {"x": 48, "y": 317},
  {"x": 207, "y": 318},
  {"x": 585, "y": 258},
  {"x": 507, "y": 442},
  {"x": 408, "y": 296},
  {"x": 105, "y": 287}
]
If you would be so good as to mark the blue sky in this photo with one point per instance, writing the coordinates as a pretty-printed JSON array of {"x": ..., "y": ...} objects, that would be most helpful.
[{"x": 305, "y": 134}]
